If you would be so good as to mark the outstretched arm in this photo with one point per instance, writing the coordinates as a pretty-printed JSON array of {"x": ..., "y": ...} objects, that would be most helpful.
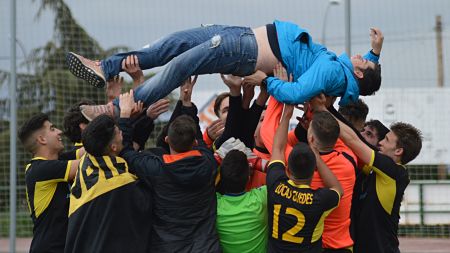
[
  {"x": 234, "y": 121},
  {"x": 140, "y": 163},
  {"x": 329, "y": 179},
  {"x": 274, "y": 112},
  {"x": 280, "y": 139},
  {"x": 350, "y": 138},
  {"x": 376, "y": 42},
  {"x": 322, "y": 77}
]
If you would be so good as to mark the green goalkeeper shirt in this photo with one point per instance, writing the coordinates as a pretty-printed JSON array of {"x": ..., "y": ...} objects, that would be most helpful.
[{"x": 242, "y": 221}]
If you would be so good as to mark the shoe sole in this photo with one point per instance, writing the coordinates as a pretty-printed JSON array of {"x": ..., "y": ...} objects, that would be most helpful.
[{"x": 78, "y": 69}]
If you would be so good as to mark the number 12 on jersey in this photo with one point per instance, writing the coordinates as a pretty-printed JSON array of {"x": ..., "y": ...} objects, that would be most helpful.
[{"x": 289, "y": 235}]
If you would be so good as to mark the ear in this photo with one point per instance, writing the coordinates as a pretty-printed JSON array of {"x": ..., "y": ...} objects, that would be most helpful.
[
  {"x": 310, "y": 138},
  {"x": 113, "y": 147},
  {"x": 166, "y": 139},
  {"x": 41, "y": 139},
  {"x": 82, "y": 126},
  {"x": 358, "y": 73},
  {"x": 288, "y": 172},
  {"x": 398, "y": 152},
  {"x": 195, "y": 143}
]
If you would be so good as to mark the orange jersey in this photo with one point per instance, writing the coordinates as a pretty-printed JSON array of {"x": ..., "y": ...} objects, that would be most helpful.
[
  {"x": 270, "y": 124},
  {"x": 336, "y": 232}
]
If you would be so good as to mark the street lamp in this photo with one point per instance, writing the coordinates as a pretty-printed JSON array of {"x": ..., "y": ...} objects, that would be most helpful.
[{"x": 324, "y": 25}]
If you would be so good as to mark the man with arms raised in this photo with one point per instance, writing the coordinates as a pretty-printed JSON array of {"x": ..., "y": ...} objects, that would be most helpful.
[
  {"x": 376, "y": 225},
  {"x": 296, "y": 212}
]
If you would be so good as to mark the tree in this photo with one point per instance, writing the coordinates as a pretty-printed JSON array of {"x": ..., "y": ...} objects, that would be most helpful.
[{"x": 50, "y": 88}]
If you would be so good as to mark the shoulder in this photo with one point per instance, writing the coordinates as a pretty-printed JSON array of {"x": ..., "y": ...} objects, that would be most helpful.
[
  {"x": 36, "y": 165},
  {"x": 276, "y": 164},
  {"x": 260, "y": 191},
  {"x": 327, "y": 197}
]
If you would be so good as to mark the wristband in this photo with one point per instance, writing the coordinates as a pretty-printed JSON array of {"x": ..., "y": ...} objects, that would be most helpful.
[{"x": 264, "y": 82}]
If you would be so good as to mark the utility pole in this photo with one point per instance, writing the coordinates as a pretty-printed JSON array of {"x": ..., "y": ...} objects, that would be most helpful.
[
  {"x": 348, "y": 35},
  {"x": 440, "y": 55},
  {"x": 441, "y": 170},
  {"x": 13, "y": 133}
]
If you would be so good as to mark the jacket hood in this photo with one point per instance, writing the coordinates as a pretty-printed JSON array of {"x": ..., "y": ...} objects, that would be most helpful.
[
  {"x": 352, "y": 89},
  {"x": 194, "y": 170}
]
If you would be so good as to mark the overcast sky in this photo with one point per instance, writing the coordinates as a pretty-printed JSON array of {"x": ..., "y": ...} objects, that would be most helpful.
[{"x": 408, "y": 57}]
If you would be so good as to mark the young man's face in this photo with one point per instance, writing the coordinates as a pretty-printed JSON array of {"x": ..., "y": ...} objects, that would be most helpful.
[
  {"x": 223, "y": 110},
  {"x": 53, "y": 136},
  {"x": 370, "y": 134},
  {"x": 360, "y": 64},
  {"x": 388, "y": 146},
  {"x": 257, "y": 136}
]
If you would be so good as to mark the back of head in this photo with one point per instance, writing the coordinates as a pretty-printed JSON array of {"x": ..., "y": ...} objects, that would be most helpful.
[
  {"x": 371, "y": 81},
  {"x": 301, "y": 161},
  {"x": 218, "y": 102},
  {"x": 28, "y": 128},
  {"x": 72, "y": 120},
  {"x": 234, "y": 172},
  {"x": 98, "y": 135},
  {"x": 409, "y": 138},
  {"x": 325, "y": 128},
  {"x": 381, "y": 129},
  {"x": 355, "y": 112},
  {"x": 181, "y": 134}
]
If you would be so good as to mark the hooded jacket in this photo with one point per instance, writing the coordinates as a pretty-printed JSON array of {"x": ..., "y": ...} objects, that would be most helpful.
[
  {"x": 315, "y": 70},
  {"x": 184, "y": 214}
]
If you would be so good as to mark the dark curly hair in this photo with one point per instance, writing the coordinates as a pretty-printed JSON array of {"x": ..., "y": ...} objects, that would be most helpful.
[{"x": 72, "y": 120}]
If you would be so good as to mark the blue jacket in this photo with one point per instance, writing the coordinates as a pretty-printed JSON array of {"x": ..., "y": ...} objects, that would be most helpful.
[{"x": 315, "y": 69}]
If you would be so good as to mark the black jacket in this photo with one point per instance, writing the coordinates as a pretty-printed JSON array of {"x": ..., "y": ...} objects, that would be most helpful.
[{"x": 184, "y": 214}]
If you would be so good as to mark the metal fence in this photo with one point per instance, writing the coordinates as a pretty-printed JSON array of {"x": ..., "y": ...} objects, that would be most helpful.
[{"x": 416, "y": 47}]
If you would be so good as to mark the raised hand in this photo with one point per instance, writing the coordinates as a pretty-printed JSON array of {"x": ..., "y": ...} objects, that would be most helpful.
[
  {"x": 131, "y": 66},
  {"x": 159, "y": 107},
  {"x": 318, "y": 103},
  {"x": 114, "y": 87},
  {"x": 186, "y": 91},
  {"x": 137, "y": 109},
  {"x": 249, "y": 92},
  {"x": 255, "y": 79},
  {"x": 307, "y": 115},
  {"x": 233, "y": 82},
  {"x": 126, "y": 104},
  {"x": 215, "y": 129},
  {"x": 376, "y": 40},
  {"x": 280, "y": 72}
]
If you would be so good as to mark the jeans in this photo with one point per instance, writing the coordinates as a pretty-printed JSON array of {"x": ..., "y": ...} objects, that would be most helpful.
[{"x": 203, "y": 50}]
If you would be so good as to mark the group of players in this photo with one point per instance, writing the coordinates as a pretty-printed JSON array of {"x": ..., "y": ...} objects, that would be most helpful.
[{"x": 332, "y": 184}]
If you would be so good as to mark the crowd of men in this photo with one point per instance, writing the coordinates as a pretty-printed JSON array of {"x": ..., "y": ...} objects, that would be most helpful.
[{"x": 334, "y": 183}]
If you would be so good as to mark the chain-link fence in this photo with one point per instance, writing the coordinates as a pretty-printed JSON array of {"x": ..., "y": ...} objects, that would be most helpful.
[{"x": 48, "y": 29}]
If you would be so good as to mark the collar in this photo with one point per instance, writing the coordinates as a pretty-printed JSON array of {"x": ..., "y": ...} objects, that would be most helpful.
[
  {"x": 179, "y": 156},
  {"x": 78, "y": 144},
  {"x": 262, "y": 150},
  {"x": 305, "y": 186},
  {"x": 328, "y": 152},
  {"x": 38, "y": 158},
  {"x": 234, "y": 194}
]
